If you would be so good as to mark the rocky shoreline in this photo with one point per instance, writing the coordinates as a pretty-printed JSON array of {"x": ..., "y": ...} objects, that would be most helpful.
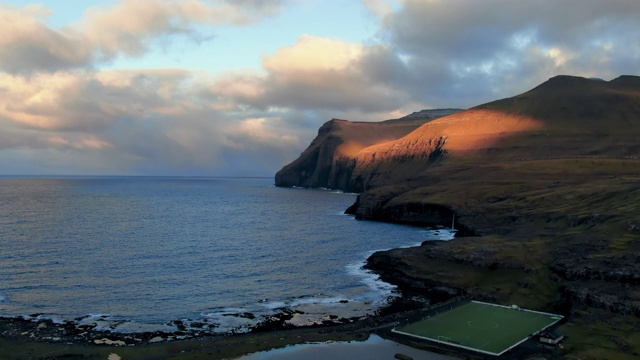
[
  {"x": 418, "y": 298},
  {"x": 41, "y": 329},
  {"x": 19, "y": 336}
]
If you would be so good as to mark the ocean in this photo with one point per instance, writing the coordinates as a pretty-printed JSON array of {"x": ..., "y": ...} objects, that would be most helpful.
[{"x": 146, "y": 253}]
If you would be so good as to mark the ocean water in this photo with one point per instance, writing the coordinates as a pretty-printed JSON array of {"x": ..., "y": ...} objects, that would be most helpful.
[{"x": 136, "y": 253}]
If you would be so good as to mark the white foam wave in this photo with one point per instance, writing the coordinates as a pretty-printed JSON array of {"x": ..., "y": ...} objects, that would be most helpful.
[
  {"x": 131, "y": 327},
  {"x": 96, "y": 316},
  {"x": 382, "y": 291},
  {"x": 227, "y": 321},
  {"x": 443, "y": 234},
  {"x": 273, "y": 305},
  {"x": 314, "y": 300},
  {"x": 54, "y": 318},
  {"x": 230, "y": 310}
]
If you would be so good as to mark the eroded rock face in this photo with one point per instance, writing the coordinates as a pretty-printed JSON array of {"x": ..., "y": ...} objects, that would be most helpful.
[
  {"x": 330, "y": 159},
  {"x": 548, "y": 178},
  {"x": 394, "y": 269}
]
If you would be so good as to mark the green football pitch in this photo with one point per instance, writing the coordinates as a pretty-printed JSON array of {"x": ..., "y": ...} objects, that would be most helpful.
[{"x": 487, "y": 328}]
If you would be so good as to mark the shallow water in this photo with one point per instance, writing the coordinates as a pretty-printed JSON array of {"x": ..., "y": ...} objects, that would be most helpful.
[
  {"x": 373, "y": 348},
  {"x": 135, "y": 253}
]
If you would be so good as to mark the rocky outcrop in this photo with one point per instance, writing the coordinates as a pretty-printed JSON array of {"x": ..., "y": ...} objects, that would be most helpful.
[
  {"x": 319, "y": 163},
  {"x": 548, "y": 178},
  {"x": 619, "y": 268},
  {"x": 396, "y": 271},
  {"x": 330, "y": 159}
]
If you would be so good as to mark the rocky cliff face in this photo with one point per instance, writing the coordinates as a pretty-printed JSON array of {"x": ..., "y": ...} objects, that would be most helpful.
[
  {"x": 329, "y": 161},
  {"x": 565, "y": 117},
  {"x": 548, "y": 179}
]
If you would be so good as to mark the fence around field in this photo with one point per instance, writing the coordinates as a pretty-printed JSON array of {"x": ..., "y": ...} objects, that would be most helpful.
[{"x": 452, "y": 333}]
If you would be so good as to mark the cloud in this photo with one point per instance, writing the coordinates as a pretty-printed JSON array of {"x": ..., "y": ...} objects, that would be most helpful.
[
  {"x": 475, "y": 51},
  {"x": 315, "y": 73},
  {"x": 379, "y": 8},
  {"x": 437, "y": 53},
  {"x": 28, "y": 45},
  {"x": 59, "y": 111},
  {"x": 137, "y": 122},
  {"x": 84, "y": 101},
  {"x": 127, "y": 27}
]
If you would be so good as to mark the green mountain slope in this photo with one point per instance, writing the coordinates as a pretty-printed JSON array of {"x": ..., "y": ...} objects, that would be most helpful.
[{"x": 549, "y": 181}]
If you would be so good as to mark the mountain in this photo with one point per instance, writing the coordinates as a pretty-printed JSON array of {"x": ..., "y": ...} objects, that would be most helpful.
[
  {"x": 564, "y": 117},
  {"x": 329, "y": 160},
  {"x": 545, "y": 190}
]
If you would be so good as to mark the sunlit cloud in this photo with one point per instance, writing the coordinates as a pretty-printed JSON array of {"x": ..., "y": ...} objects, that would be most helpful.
[
  {"x": 26, "y": 44},
  {"x": 63, "y": 105},
  {"x": 89, "y": 142},
  {"x": 316, "y": 73},
  {"x": 125, "y": 28}
]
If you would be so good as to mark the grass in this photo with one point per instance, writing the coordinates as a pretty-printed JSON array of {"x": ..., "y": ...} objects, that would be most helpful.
[
  {"x": 601, "y": 335},
  {"x": 481, "y": 327},
  {"x": 222, "y": 347},
  {"x": 532, "y": 214}
]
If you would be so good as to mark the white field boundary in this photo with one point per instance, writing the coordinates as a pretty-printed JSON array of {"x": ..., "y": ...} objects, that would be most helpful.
[
  {"x": 447, "y": 343},
  {"x": 560, "y": 317},
  {"x": 518, "y": 309}
]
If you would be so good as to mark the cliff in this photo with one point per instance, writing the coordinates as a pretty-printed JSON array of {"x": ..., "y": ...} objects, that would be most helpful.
[
  {"x": 548, "y": 182},
  {"x": 329, "y": 160}
]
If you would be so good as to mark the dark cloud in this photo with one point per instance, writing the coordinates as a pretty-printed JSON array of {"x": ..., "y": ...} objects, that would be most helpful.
[
  {"x": 462, "y": 53},
  {"x": 57, "y": 111}
]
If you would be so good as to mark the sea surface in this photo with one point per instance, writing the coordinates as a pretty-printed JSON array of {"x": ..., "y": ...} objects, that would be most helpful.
[{"x": 138, "y": 253}]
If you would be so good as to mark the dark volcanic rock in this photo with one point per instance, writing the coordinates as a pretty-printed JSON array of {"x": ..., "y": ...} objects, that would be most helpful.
[
  {"x": 392, "y": 269},
  {"x": 375, "y": 205}
]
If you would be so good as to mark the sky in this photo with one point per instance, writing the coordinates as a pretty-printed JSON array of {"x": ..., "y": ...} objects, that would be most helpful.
[{"x": 240, "y": 87}]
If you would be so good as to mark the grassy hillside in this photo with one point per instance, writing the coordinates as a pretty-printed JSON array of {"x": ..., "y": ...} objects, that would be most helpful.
[
  {"x": 330, "y": 158},
  {"x": 550, "y": 180}
]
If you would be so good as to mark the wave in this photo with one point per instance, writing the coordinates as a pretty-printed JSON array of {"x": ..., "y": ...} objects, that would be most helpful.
[
  {"x": 440, "y": 233},
  {"x": 382, "y": 291},
  {"x": 292, "y": 303}
]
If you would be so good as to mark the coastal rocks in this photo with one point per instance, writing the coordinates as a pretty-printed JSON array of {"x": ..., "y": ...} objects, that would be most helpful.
[
  {"x": 369, "y": 205},
  {"x": 106, "y": 341},
  {"x": 619, "y": 269},
  {"x": 384, "y": 204},
  {"x": 157, "y": 339},
  {"x": 46, "y": 330},
  {"x": 608, "y": 298},
  {"x": 610, "y": 282},
  {"x": 81, "y": 331},
  {"x": 402, "y": 357},
  {"x": 392, "y": 269},
  {"x": 419, "y": 213}
]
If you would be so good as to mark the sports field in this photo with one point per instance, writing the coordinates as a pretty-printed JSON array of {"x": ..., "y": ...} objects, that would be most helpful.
[{"x": 487, "y": 328}]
